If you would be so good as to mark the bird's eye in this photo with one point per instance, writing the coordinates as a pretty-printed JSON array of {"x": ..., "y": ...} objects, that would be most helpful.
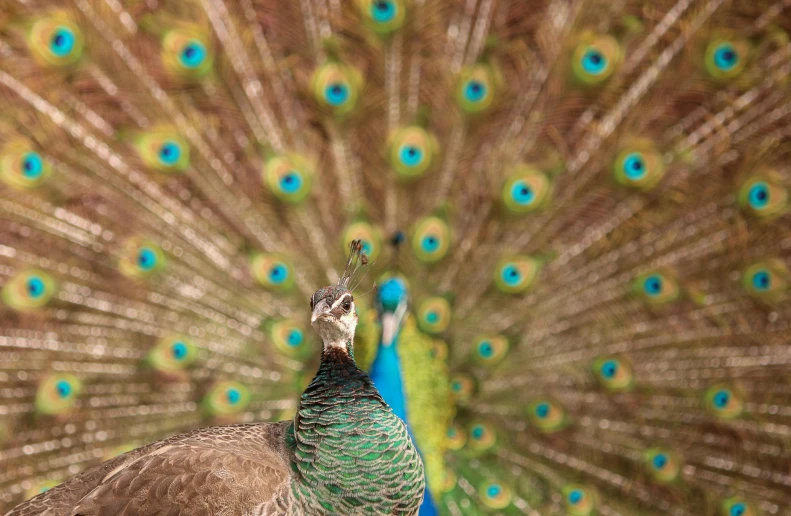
[{"x": 347, "y": 306}]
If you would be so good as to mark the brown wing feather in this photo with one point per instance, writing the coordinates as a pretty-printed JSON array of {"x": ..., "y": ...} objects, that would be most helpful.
[{"x": 220, "y": 470}]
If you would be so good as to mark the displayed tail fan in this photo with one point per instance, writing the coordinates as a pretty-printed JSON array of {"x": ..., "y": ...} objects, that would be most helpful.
[{"x": 576, "y": 214}]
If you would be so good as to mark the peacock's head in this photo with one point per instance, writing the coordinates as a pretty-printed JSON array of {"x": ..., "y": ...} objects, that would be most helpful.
[
  {"x": 392, "y": 298},
  {"x": 333, "y": 315}
]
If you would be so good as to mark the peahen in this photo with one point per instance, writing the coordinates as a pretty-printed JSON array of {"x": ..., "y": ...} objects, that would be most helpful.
[
  {"x": 344, "y": 452},
  {"x": 584, "y": 206}
]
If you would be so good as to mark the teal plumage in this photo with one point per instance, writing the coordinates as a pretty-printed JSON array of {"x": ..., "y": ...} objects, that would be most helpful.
[{"x": 588, "y": 200}]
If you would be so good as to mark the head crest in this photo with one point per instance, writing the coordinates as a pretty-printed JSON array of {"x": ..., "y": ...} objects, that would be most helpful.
[{"x": 357, "y": 260}]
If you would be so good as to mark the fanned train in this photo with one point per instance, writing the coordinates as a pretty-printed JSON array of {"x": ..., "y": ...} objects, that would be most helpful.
[{"x": 576, "y": 215}]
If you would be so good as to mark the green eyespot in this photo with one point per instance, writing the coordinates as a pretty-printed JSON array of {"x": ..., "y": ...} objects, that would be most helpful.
[
  {"x": 22, "y": 167},
  {"x": 516, "y": 274},
  {"x": 433, "y": 315},
  {"x": 369, "y": 237},
  {"x": 336, "y": 87},
  {"x": 187, "y": 53},
  {"x": 595, "y": 58},
  {"x": 449, "y": 480},
  {"x": 431, "y": 239},
  {"x": 226, "y": 398},
  {"x": 726, "y": 58},
  {"x": 580, "y": 500},
  {"x": 288, "y": 177},
  {"x": 462, "y": 387},
  {"x": 663, "y": 465},
  {"x": 163, "y": 150},
  {"x": 413, "y": 151},
  {"x": 57, "y": 394},
  {"x": 273, "y": 271},
  {"x": 456, "y": 437},
  {"x": 613, "y": 373},
  {"x": 767, "y": 280},
  {"x": 477, "y": 88},
  {"x": 723, "y": 401},
  {"x": 55, "y": 41},
  {"x": 172, "y": 353},
  {"x": 28, "y": 290},
  {"x": 495, "y": 495},
  {"x": 639, "y": 165},
  {"x": 657, "y": 287},
  {"x": 289, "y": 338},
  {"x": 489, "y": 350},
  {"x": 140, "y": 258},
  {"x": 763, "y": 196},
  {"x": 526, "y": 190},
  {"x": 481, "y": 437},
  {"x": 383, "y": 16},
  {"x": 546, "y": 415},
  {"x": 738, "y": 506}
]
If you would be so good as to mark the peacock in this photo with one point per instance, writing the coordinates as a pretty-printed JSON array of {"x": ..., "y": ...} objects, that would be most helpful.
[{"x": 575, "y": 215}]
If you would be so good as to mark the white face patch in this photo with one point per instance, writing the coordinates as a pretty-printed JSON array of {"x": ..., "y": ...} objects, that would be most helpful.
[{"x": 335, "y": 323}]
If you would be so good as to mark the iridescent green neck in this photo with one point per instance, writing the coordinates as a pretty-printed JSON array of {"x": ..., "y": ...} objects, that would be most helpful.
[{"x": 351, "y": 451}]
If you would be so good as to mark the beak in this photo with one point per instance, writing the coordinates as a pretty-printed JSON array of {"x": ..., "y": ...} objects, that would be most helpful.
[
  {"x": 391, "y": 323},
  {"x": 322, "y": 309}
]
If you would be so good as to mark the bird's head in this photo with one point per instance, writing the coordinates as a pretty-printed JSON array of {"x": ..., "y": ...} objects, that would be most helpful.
[
  {"x": 392, "y": 299},
  {"x": 333, "y": 315}
]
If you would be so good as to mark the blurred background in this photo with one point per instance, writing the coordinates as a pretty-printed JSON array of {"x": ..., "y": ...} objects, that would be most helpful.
[{"x": 576, "y": 213}]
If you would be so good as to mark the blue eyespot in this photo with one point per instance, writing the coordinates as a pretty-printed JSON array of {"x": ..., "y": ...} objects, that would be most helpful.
[
  {"x": 522, "y": 193},
  {"x": 290, "y": 182},
  {"x": 576, "y": 496},
  {"x": 193, "y": 54},
  {"x": 634, "y": 166},
  {"x": 726, "y": 57},
  {"x": 64, "y": 388},
  {"x": 721, "y": 399},
  {"x": 278, "y": 274},
  {"x": 294, "y": 338},
  {"x": 594, "y": 62},
  {"x": 486, "y": 349},
  {"x": 493, "y": 490},
  {"x": 410, "y": 155},
  {"x": 336, "y": 93},
  {"x": 759, "y": 195},
  {"x": 511, "y": 275},
  {"x": 762, "y": 280},
  {"x": 32, "y": 166},
  {"x": 455, "y": 386},
  {"x": 430, "y": 243},
  {"x": 432, "y": 317},
  {"x": 169, "y": 153},
  {"x": 738, "y": 509},
  {"x": 366, "y": 247},
  {"x": 477, "y": 432},
  {"x": 179, "y": 350},
  {"x": 36, "y": 287},
  {"x": 62, "y": 41},
  {"x": 475, "y": 91},
  {"x": 659, "y": 461},
  {"x": 233, "y": 396},
  {"x": 542, "y": 410},
  {"x": 383, "y": 11},
  {"x": 147, "y": 259},
  {"x": 653, "y": 285},
  {"x": 609, "y": 368}
]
